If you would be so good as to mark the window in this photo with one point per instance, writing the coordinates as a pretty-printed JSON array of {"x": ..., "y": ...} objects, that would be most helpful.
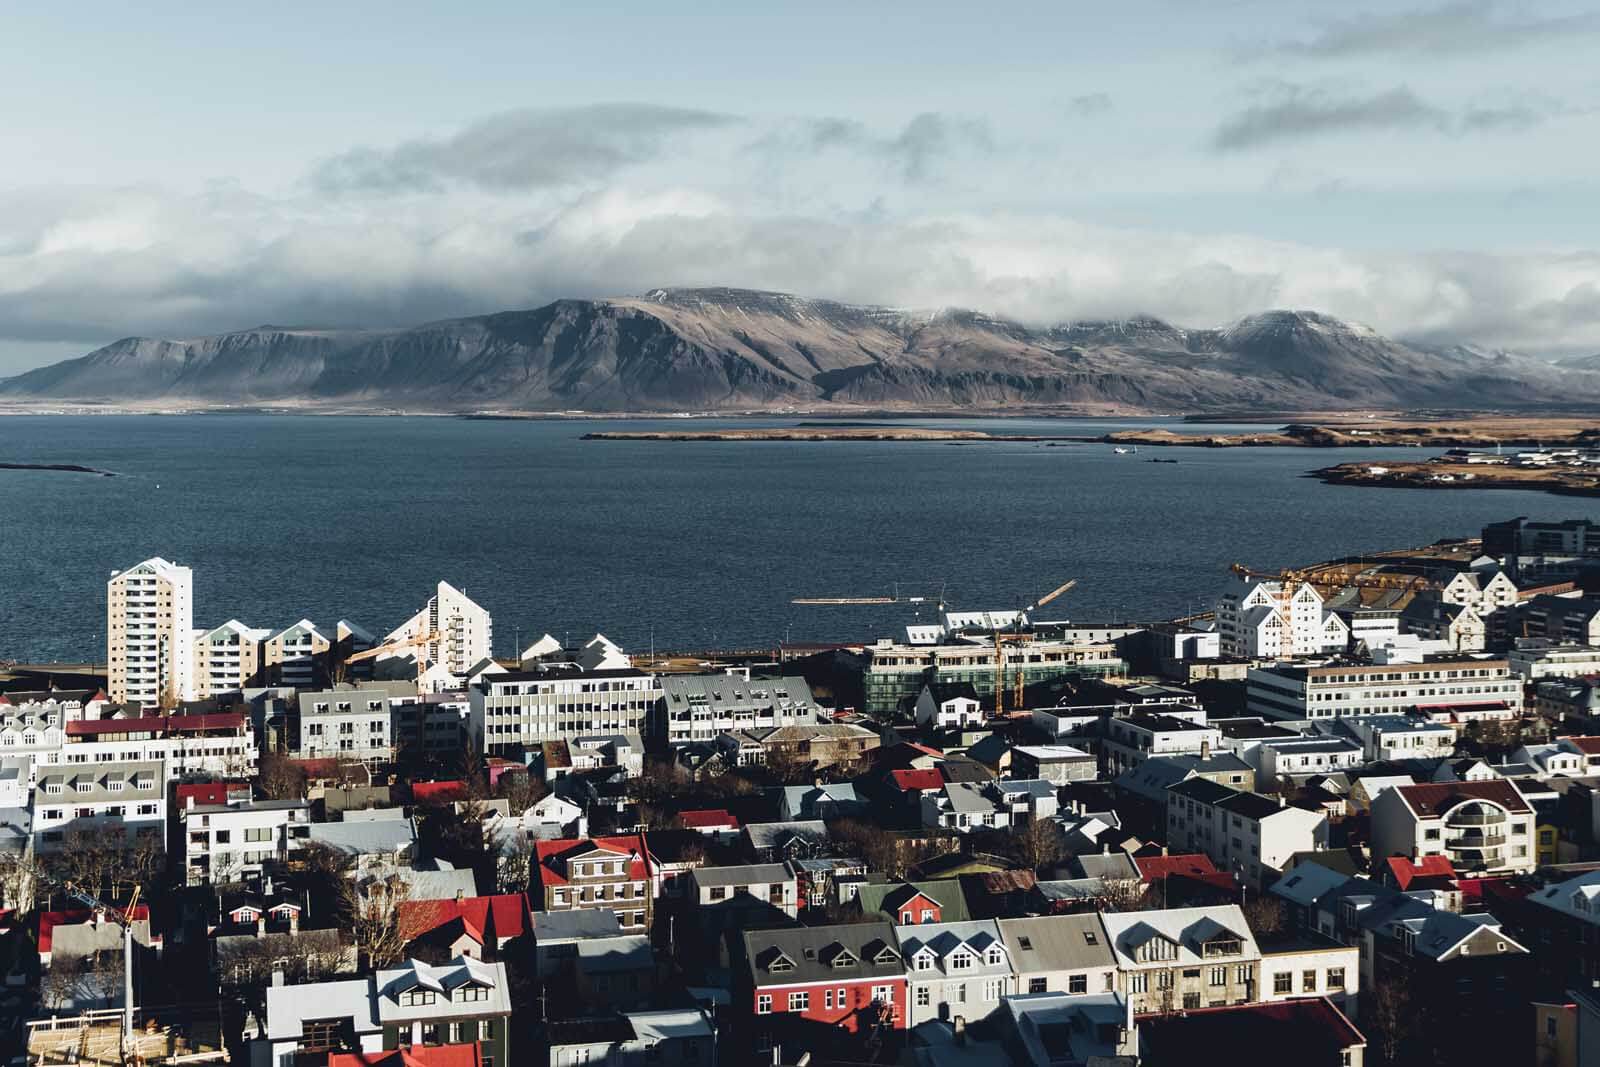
[
  {"x": 884, "y": 994},
  {"x": 764, "y": 1004},
  {"x": 1038, "y": 985},
  {"x": 1335, "y": 978},
  {"x": 799, "y": 1001},
  {"x": 1219, "y": 976},
  {"x": 1308, "y": 981},
  {"x": 1191, "y": 1001},
  {"x": 960, "y": 961},
  {"x": 993, "y": 957},
  {"x": 1078, "y": 983},
  {"x": 1138, "y": 983},
  {"x": 924, "y": 996},
  {"x": 719, "y": 892},
  {"x": 927, "y": 915},
  {"x": 992, "y": 989},
  {"x": 1025, "y": 944},
  {"x": 924, "y": 962},
  {"x": 906, "y": 917},
  {"x": 827, "y": 999},
  {"x": 1283, "y": 983},
  {"x": 1243, "y": 973}
]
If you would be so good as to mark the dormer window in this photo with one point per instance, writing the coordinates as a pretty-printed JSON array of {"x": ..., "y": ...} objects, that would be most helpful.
[
  {"x": 924, "y": 962},
  {"x": 85, "y": 787},
  {"x": 961, "y": 961},
  {"x": 993, "y": 958},
  {"x": 471, "y": 992},
  {"x": 781, "y": 963}
]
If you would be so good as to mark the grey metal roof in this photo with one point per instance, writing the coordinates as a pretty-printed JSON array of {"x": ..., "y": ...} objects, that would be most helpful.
[
  {"x": 575, "y": 925},
  {"x": 1057, "y": 943},
  {"x": 289, "y": 1006},
  {"x": 812, "y": 953},
  {"x": 764, "y": 835},
  {"x": 745, "y": 874},
  {"x": 1109, "y": 866},
  {"x": 364, "y": 838}
]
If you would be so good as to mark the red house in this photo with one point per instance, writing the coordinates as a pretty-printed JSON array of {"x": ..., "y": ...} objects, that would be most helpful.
[
  {"x": 596, "y": 872},
  {"x": 493, "y": 921},
  {"x": 849, "y": 977}
]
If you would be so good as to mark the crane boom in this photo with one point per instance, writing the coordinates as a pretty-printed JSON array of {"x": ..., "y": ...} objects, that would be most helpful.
[
  {"x": 850, "y": 599},
  {"x": 396, "y": 646},
  {"x": 1052, "y": 594}
]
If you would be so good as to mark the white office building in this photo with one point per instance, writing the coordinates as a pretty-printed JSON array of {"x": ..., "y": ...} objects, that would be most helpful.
[
  {"x": 1432, "y": 687},
  {"x": 524, "y": 708}
]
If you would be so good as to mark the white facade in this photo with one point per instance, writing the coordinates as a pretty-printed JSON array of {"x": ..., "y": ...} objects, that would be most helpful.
[
  {"x": 1481, "y": 592},
  {"x": 1372, "y": 689},
  {"x": 955, "y": 970},
  {"x": 1314, "y": 969},
  {"x": 1479, "y": 826},
  {"x": 1391, "y": 737},
  {"x": 150, "y": 634},
  {"x": 466, "y": 632},
  {"x": 1272, "y": 620},
  {"x": 221, "y": 744},
  {"x": 1536, "y": 659},
  {"x": 224, "y": 843},
  {"x": 349, "y": 721},
  {"x": 125, "y": 803},
  {"x": 1130, "y": 741},
  {"x": 521, "y": 708},
  {"x": 1278, "y": 760},
  {"x": 1246, "y": 834}
]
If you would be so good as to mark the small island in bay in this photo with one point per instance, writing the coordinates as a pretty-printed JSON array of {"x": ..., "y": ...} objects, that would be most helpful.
[{"x": 69, "y": 468}]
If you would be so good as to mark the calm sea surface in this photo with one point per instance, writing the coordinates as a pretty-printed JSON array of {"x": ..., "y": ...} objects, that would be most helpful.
[{"x": 693, "y": 545}]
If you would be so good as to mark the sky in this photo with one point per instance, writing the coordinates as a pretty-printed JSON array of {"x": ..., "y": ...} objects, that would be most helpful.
[{"x": 1431, "y": 170}]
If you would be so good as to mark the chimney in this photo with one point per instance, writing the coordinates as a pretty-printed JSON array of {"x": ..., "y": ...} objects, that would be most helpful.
[
  {"x": 261, "y": 925},
  {"x": 1163, "y": 850},
  {"x": 277, "y": 977},
  {"x": 294, "y": 923},
  {"x": 188, "y": 801},
  {"x": 460, "y": 895},
  {"x": 1283, "y": 800},
  {"x": 1205, "y": 748},
  {"x": 958, "y": 1026}
]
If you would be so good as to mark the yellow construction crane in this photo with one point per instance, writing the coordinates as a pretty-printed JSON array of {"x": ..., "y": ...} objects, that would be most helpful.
[
  {"x": 420, "y": 643},
  {"x": 1332, "y": 580},
  {"x": 1003, "y": 639}
]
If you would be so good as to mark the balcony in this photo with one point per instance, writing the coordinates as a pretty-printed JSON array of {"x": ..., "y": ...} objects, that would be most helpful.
[
  {"x": 1480, "y": 857},
  {"x": 1485, "y": 817},
  {"x": 1477, "y": 839}
]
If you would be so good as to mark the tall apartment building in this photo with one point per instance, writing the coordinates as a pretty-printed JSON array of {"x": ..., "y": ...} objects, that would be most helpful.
[
  {"x": 349, "y": 721},
  {"x": 149, "y": 634},
  {"x": 1392, "y": 689},
  {"x": 466, "y": 632},
  {"x": 1269, "y": 620},
  {"x": 524, "y": 708},
  {"x": 227, "y": 658},
  {"x": 295, "y": 655}
]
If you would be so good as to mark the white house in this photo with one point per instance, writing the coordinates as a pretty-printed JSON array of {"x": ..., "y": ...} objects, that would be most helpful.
[
  {"x": 224, "y": 843},
  {"x": 1269, "y": 620},
  {"x": 1185, "y": 958},
  {"x": 1479, "y": 826},
  {"x": 1060, "y": 954},
  {"x": 1247, "y": 834},
  {"x": 949, "y": 706},
  {"x": 956, "y": 970},
  {"x": 121, "y": 803}
]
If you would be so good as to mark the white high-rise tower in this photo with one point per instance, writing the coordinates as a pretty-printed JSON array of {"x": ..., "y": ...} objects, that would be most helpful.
[{"x": 149, "y": 634}]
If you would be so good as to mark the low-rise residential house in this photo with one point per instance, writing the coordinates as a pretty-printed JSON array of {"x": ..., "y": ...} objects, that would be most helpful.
[
  {"x": 955, "y": 970},
  {"x": 1150, "y": 780},
  {"x": 1249, "y": 835},
  {"x": 790, "y": 839},
  {"x": 1484, "y": 826},
  {"x": 966, "y": 807},
  {"x": 743, "y": 897},
  {"x": 81, "y": 958},
  {"x": 1068, "y": 954},
  {"x": 1306, "y": 964},
  {"x": 1285, "y": 763},
  {"x": 699, "y": 707},
  {"x": 368, "y": 844},
  {"x": 1444, "y": 965},
  {"x": 117, "y": 804},
  {"x": 821, "y": 801},
  {"x": 237, "y": 839},
  {"x": 1057, "y": 764},
  {"x": 480, "y": 927},
  {"x": 679, "y": 1037},
  {"x": 938, "y": 900},
  {"x": 1185, "y": 958},
  {"x": 1553, "y": 760},
  {"x": 822, "y": 745},
  {"x": 464, "y": 1001},
  {"x": 599, "y": 872},
  {"x": 851, "y": 977},
  {"x": 1561, "y": 923},
  {"x": 949, "y": 706},
  {"x": 585, "y": 961}
]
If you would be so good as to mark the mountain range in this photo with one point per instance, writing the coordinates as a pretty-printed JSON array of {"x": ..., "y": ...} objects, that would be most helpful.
[{"x": 736, "y": 349}]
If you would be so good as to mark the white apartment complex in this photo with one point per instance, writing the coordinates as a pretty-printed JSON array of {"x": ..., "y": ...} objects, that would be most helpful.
[
  {"x": 1485, "y": 827},
  {"x": 523, "y": 708},
  {"x": 465, "y": 631},
  {"x": 1480, "y": 591},
  {"x": 698, "y": 707},
  {"x": 292, "y": 656},
  {"x": 123, "y": 804},
  {"x": 349, "y": 721},
  {"x": 150, "y": 634},
  {"x": 1247, "y": 834},
  {"x": 1275, "y": 620},
  {"x": 219, "y": 743},
  {"x": 1433, "y": 686},
  {"x": 227, "y": 658}
]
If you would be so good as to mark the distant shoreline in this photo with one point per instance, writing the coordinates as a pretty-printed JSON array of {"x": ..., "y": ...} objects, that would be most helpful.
[{"x": 1434, "y": 474}]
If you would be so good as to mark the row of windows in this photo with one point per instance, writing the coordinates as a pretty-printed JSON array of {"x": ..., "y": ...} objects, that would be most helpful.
[{"x": 882, "y": 994}]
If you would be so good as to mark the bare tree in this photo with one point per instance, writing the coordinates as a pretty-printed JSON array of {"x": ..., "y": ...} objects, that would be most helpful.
[
  {"x": 1040, "y": 844},
  {"x": 786, "y": 765},
  {"x": 20, "y": 873},
  {"x": 67, "y": 979},
  {"x": 1123, "y": 894},
  {"x": 372, "y": 913},
  {"x": 1264, "y": 914},
  {"x": 515, "y": 862},
  {"x": 280, "y": 778},
  {"x": 522, "y": 791},
  {"x": 1392, "y": 1019}
]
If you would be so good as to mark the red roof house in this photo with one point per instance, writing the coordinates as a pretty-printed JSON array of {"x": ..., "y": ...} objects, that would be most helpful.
[
  {"x": 502, "y": 917},
  {"x": 416, "y": 1056},
  {"x": 209, "y": 793},
  {"x": 596, "y": 872},
  {"x": 437, "y": 792},
  {"x": 915, "y": 781},
  {"x": 709, "y": 820},
  {"x": 1429, "y": 872}
]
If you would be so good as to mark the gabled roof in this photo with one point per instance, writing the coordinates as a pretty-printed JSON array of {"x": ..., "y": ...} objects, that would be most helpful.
[
  {"x": 945, "y": 939},
  {"x": 552, "y": 857},
  {"x": 887, "y": 898},
  {"x": 708, "y": 818},
  {"x": 1188, "y": 928},
  {"x": 1313, "y": 1028},
  {"x": 908, "y": 781},
  {"x": 1154, "y": 868},
  {"x": 503, "y": 916},
  {"x": 1405, "y": 872},
  {"x": 871, "y": 945}
]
